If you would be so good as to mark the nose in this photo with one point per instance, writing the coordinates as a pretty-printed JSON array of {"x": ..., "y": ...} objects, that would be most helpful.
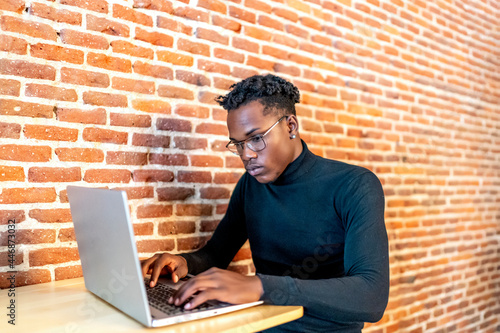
[{"x": 247, "y": 154}]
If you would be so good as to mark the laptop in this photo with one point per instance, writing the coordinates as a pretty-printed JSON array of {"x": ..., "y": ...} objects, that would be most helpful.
[{"x": 111, "y": 267}]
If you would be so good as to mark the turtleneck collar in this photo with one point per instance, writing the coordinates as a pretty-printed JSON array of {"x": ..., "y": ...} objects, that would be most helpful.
[{"x": 300, "y": 166}]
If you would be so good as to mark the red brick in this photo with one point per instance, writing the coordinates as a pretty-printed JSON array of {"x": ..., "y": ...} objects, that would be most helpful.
[
  {"x": 176, "y": 125},
  {"x": 13, "y": 5},
  {"x": 129, "y": 120},
  {"x": 191, "y": 243},
  {"x": 243, "y": 254},
  {"x": 174, "y": 193},
  {"x": 89, "y": 155},
  {"x": 126, "y": 158},
  {"x": 55, "y": 215},
  {"x": 227, "y": 177},
  {"x": 33, "y": 29},
  {"x": 260, "y": 63},
  {"x": 104, "y": 135},
  {"x": 11, "y": 173},
  {"x": 224, "y": 84},
  {"x": 56, "y": 53},
  {"x": 25, "y": 153},
  {"x": 271, "y": 23},
  {"x": 27, "y": 195},
  {"x": 285, "y": 40},
  {"x": 207, "y": 97},
  {"x": 58, "y": 174},
  {"x": 175, "y": 92},
  {"x": 174, "y": 25},
  {"x": 49, "y": 256},
  {"x": 192, "y": 78},
  {"x": 193, "y": 47},
  {"x": 175, "y": 58},
  {"x": 190, "y": 143},
  {"x": 159, "y": 5},
  {"x": 258, "y": 33},
  {"x": 100, "y": 6},
  {"x": 10, "y": 87},
  {"x": 193, "y": 210},
  {"x": 191, "y": 14},
  {"x": 145, "y": 175},
  {"x": 259, "y": 5},
  {"x": 54, "y": 14},
  {"x": 155, "y": 245},
  {"x": 13, "y": 44},
  {"x": 157, "y": 71},
  {"x": 11, "y": 131},
  {"x": 208, "y": 226},
  {"x": 68, "y": 272},
  {"x": 275, "y": 52},
  {"x": 96, "y": 116},
  {"x": 152, "y": 106},
  {"x": 6, "y": 216},
  {"x": 107, "y": 26},
  {"x": 83, "y": 39},
  {"x": 139, "y": 86},
  {"x": 27, "y": 69},
  {"x": 242, "y": 14},
  {"x": 155, "y": 38},
  {"x": 150, "y": 140},
  {"x": 216, "y": 129},
  {"x": 213, "y": 5},
  {"x": 226, "y": 23},
  {"x": 176, "y": 228},
  {"x": 120, "y": 46},
  {"x": 286, "y": 14},
  {"x": 107, "y": 176},
  {"x": 131, "y": 15},
  {"x": 229, "y": 55},
  {"x": 6, "y": 261},
  {"x": 108, "y": 62},
  {"x": 213, "y": 67},
  {"x": 214, "y": 193},
  {"x": 168, "y": 159},
  {"x": 194, "y": 177},
  {"x": 50, "y": 92},
  {"x": 51, "y": 133},
  {"x": 153, "y": 211},
  {"x": 33, "y": 276},
  {"x": 104, "y": 99},
  {"x": 84, "y": 78},
  {"x": 207, "y": 161},
  {"x": 212, "y": 36},
  {"x": 34, "y": 236},
  {"x": 139, "y": 192},
  {"x": 192, "y": 111}
]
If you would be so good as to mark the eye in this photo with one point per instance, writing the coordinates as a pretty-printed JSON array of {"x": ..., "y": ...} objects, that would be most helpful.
[{"x": 256, "y": 139}]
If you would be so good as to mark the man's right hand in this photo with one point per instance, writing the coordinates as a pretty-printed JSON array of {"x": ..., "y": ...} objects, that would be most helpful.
[{"x": 163, "y": 264}]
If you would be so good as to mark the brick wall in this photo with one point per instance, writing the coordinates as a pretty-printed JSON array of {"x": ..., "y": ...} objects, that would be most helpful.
[{"x": 119, "y": 94}]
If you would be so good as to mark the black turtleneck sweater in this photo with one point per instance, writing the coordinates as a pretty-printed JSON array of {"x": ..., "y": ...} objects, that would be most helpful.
[{"x": 318, "y": 239}]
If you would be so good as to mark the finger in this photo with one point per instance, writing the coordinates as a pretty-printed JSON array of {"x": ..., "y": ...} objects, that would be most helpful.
[
  {"x": 202, "y": 297},
  {"x": 161, "y": 266},
  {"x": 191, "y": 287},
  {"x": 145, "y": 265}
]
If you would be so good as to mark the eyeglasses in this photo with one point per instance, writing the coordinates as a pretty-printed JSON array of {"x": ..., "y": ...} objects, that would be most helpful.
[{"x": 255, "y": 143}]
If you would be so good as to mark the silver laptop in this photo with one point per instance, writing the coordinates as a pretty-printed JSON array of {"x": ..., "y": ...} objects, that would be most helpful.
[{"x": 111, "y": 267}]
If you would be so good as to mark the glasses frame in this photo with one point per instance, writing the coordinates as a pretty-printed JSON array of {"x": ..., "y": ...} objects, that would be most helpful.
[{"x": 245, "y": 142}]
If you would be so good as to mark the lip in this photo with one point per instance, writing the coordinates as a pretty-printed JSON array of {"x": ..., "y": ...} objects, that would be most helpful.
[{"x": 254, "y": 170}]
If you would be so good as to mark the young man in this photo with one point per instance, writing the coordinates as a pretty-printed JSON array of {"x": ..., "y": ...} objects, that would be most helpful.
[{"x": 315, "y": 226}]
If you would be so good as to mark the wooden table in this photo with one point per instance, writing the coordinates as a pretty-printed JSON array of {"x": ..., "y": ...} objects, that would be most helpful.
[{"x": 66, "y": 306}]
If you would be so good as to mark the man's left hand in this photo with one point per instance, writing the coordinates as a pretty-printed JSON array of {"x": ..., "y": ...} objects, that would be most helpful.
[{"x": 218, "y": 284}]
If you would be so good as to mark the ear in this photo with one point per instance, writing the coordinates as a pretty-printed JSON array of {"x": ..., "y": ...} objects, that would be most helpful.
[{"x": 293, "y": 125}]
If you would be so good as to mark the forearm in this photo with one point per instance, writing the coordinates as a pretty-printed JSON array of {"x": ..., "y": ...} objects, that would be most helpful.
[{"x": 346, "y": 299}]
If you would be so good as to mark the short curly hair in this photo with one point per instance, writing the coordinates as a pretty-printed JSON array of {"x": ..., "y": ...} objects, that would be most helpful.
[{"x": 276, "y": 94}]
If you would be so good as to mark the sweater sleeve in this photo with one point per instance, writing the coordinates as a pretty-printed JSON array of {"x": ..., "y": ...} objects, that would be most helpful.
[
  {"x": 226, "y": 240},
  {"x": 361, "y": 295}
]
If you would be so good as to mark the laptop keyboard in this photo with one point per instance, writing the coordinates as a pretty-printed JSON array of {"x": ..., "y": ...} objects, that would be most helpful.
[{"x": 158, "y": 298}]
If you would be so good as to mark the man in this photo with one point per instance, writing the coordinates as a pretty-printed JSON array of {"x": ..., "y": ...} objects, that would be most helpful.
[{"x": 315, "y": 226}]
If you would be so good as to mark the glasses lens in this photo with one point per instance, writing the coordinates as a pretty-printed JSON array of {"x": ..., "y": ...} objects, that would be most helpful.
[{"x": 256, "y": 143}]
